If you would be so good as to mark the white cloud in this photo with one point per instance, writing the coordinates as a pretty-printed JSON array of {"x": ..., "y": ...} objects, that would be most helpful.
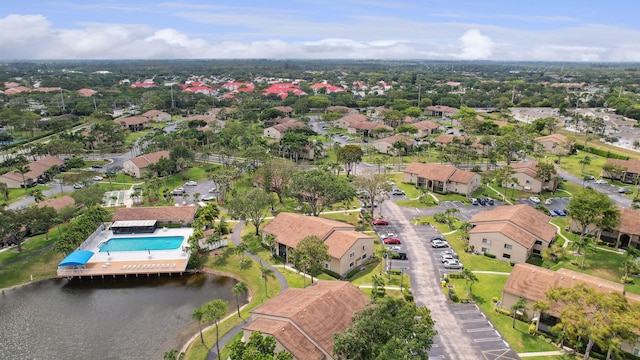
[{"x": 475, "y": 46}]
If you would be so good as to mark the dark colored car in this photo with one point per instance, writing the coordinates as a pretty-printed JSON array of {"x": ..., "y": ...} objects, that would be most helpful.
[
  {"x": 559, "y": 212},
  {"x": 482, "y": 201},
  {"x": 489, "y": 201}
]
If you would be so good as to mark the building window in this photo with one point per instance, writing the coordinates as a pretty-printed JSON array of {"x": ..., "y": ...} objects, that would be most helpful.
[
  {"x": 364, "y": 256},
  {"x": 327, "y": 266},
  {"x": 536, "y": 251},
  {"x": 485, "y": 250},
  {"x": 636, "y": 351},
  {"x": 352, "y": 255},
  {"x": 528, "y": 182},
  {"x": 350, "y": 265},
  {"x": 486, "y": 241},
  {"x": 362, "y": 247},
  {"x": 508, "y": 246},
  {"x": 538, "y": 242},
  {"x": 506, "y": 256}
]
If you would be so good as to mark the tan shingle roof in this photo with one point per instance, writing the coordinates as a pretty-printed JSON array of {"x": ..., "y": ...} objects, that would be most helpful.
[
  {"x": 145, "y": 160},
  {"x": 36, "y": 168},
  {"x": 354, "y": 118},
  {"x": 633, "y": 166},
  {"x": 528, "y": 167},
  {"x": 132, "y": 120},
  {"x": 319, "y": 310},
  {"x": 523, "y": 216},
  {"x": 58, "y": 203},
  {"x": 532, "y": 282},
  {"x": 507, "y": 229},
  {"x": 176, "y": 214},
  {"x": 289, "y": 336},
  {"x": 366, "y": 125},
  {"x": 290, "y": 228},
  {"x": 629, "y": 221},
  {"x": 462, "y": 176},
  {"x": 440, "y": 172},
  {"x": 426, "y": 125},
  {"x": 394, "y": 138},
  {"x": 340, "y": 242},
  {"x": 555, "y": 138}
]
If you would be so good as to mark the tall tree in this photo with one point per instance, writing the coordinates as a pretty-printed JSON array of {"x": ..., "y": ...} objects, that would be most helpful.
[
  {"x": 469, "y": 278},
  {"x": 407, "y": 332},
  {"x": 309, "y": 256},
  {"x": 373, "y": 184},
  {"x": 240, "y": 288},
  {"x": 4, "y": 191},
  {"x": 591, "y": 208},
  {"x": 23, "y": 170},
  {"x": 349, "y": 155},
  {"x": 521, "y": 304},
  {"x": 259, "y": 347},
  {"x": 276, "y": 175},
  {"x": 319, "y": 189},
  {"x": 252, "y": 206},
  {"x": 266, "y": 274},
  {"x": 213, "y": 311},
  {"x": 547, "y": 172},
  {"x": 597, "y": 316}
]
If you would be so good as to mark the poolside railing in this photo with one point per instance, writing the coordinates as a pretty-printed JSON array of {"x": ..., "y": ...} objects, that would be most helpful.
[{"x": 88, "y": 241}]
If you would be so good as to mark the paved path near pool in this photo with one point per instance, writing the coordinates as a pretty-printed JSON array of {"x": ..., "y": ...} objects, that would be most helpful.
[{"x": 235, "y": 237}]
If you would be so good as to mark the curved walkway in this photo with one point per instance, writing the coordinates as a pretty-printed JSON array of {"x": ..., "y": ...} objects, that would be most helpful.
[{"x": 237, "y": 240}]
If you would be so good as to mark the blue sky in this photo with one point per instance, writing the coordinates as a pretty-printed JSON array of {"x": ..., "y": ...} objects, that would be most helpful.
[{"x": 542, "y": 30}]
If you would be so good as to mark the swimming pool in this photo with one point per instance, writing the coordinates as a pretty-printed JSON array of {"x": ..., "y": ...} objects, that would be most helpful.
[{"x": 141, "y": 243}]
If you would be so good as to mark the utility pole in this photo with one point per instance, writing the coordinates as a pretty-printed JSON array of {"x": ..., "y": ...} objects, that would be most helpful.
[{"x": 62, "y": 97}]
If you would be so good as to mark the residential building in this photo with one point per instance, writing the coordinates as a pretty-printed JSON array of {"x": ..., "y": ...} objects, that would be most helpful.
[
  {"x": 631, "y": 173},
  {"x": 303, "y": 321},
  {"x": 365, "y": 128},
  {"x": 426, "y": 128},
  {"x": 386, "y": 145},
  {"x": 531, "y": 283},
  {"x": 442, "y": 178},
  {"x": 345, "y": 121},
  {"x": 157, "y": 116},
  {"x": 444, "y": 140},
  {"x": 511, "y": 233},
  {"x": 526, "y": 177},
  {"x": 440, "y": 110},
  {"x": 37, "y": 172},
  {"x": 164, "y": 215},
  {"x": 626, "y": 233},
  {"x": 138, "y": 165},
  {"x": 348, "y": 248},
  {"x": 58, "y": 203},
  {"x": 134, "y": 123},
  {"x": 277, "y": 131},
  {"x": 529, "y": 115},
  {"x": 551, "y": 143}
]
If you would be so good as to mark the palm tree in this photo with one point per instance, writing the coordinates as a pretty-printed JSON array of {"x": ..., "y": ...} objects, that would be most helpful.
[
  {"x": 519, "y": 305},
  {"x": 213, "y": 311},
  {"x": 469, "y": 278},
  {"x": 22, "y": 170},
  {"x": 266, "y": 273},
  {"x": 197, "y": 315},
  {"x": 240, "y": 288},
  {"x": 4, "y": 190},
  {"x": 540, "y": 307},
  {"x": 239, "y": 250},
  {"x": 38, "y": 196}
]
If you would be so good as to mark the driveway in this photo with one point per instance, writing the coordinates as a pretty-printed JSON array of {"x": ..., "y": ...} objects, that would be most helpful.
[{"x": 461, "y": 334}]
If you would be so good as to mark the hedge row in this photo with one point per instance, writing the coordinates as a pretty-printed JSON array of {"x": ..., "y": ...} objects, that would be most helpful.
[{"x": 600, "y": 152}]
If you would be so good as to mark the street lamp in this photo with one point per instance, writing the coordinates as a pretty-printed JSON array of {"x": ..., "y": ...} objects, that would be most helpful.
[{"x": 402, "y": 278}]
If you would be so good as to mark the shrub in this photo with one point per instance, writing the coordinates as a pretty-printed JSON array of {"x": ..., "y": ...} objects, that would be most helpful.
[
  {"x": 512, "y": 263},
  {"x": 456, "y": 276},
  {"x": 503, "y": 311},
  {"x": 408, "y": 296},
  {"x": 489, "y": 255},
  {"x": 333, "y": 274},
  {"x": 629, "y": 280},
  {"x": 395, "y": 272},
  {"x": 351, "y": 273},
  {"x": 494, "y": 300}
]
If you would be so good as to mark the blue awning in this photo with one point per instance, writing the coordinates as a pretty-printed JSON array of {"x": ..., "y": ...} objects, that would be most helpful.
[{"x": 77, "y": 258}]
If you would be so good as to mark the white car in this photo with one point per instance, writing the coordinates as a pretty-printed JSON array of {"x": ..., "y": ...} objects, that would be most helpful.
[
  {"x": 602, "y": 182},
  {"x": 453, "y": 264},
  {"x": 213, "y": 189},
  {"x": 97, "y": 178},
  {"x": 446, "y": 257},
  {"x": 548, "y": 202},
  {"x": 535, "y": 199},
  {"x": 191, "y": 183},
  {"x": 208, "y": 198},
  {"x": 388, "y": 236}
]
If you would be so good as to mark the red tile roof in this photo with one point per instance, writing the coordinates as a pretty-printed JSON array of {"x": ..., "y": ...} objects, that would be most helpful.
[
  {"x": 145, "y": 160},
  {"x": 290, "y": 228},
  {"x": 523, "y": 216}
]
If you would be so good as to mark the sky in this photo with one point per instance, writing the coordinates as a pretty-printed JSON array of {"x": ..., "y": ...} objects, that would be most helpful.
[{"x": 499, "y": 30}]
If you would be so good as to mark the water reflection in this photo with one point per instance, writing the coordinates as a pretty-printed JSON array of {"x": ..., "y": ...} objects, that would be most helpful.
[{"x": 134, "y": 318}]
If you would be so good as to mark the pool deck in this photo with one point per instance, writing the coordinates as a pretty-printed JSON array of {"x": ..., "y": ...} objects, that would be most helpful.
[{"x": 132, "y": 263}]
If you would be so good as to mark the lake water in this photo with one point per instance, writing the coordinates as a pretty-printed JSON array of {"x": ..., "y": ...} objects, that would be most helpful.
[{"x": 133, "y": 318}]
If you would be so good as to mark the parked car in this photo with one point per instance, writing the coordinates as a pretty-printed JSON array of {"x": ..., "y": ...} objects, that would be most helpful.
[
  {"x": 602, "y": 182},
  {"x": 392, "y": 241},
  {"x": 191, "y": 183},
  {"x": 453, "y": 264},
  {"x": 77, "y": 186},
  {"x": 178, "y": 192},
  {"x": 96, "y": 166},
  {"x": 380, "y": 222},
  {"x": 449, "y": 252},
  {"x": 535, "y": 199},
  {"x": 589, "y": 177},
  {"x": 474, "y": 201},
  {"x": 489, "y": 201},
  {"x": 387, "y": 236},
  {"x": 439, "y": 244},
  {"x": 213, "y": 189},
  {"x": 624, "y": 190},
  {"x": 397, "y": 192},
  {"x": 548, "y": 202},
  {"x": 445, "y": 257},
  {"x": 97, "y": 178},
  {"x": 482, "y": 201},
  {"x": 438, "y": 237},
  {"x": 208, "y": 198},
  {"x": 559, "y": 212}
]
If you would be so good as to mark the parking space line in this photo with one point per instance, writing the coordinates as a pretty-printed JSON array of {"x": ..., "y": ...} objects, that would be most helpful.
[
  {"x": 479, "y": 330},
  {"x": 473, "y": 320},
  {"x": 487, "y": 340}
]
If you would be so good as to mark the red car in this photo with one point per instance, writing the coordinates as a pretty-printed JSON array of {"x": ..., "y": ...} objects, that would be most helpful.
[
  {"x": 380, "y": 222},
  {"x": 391, "y": 241}
]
